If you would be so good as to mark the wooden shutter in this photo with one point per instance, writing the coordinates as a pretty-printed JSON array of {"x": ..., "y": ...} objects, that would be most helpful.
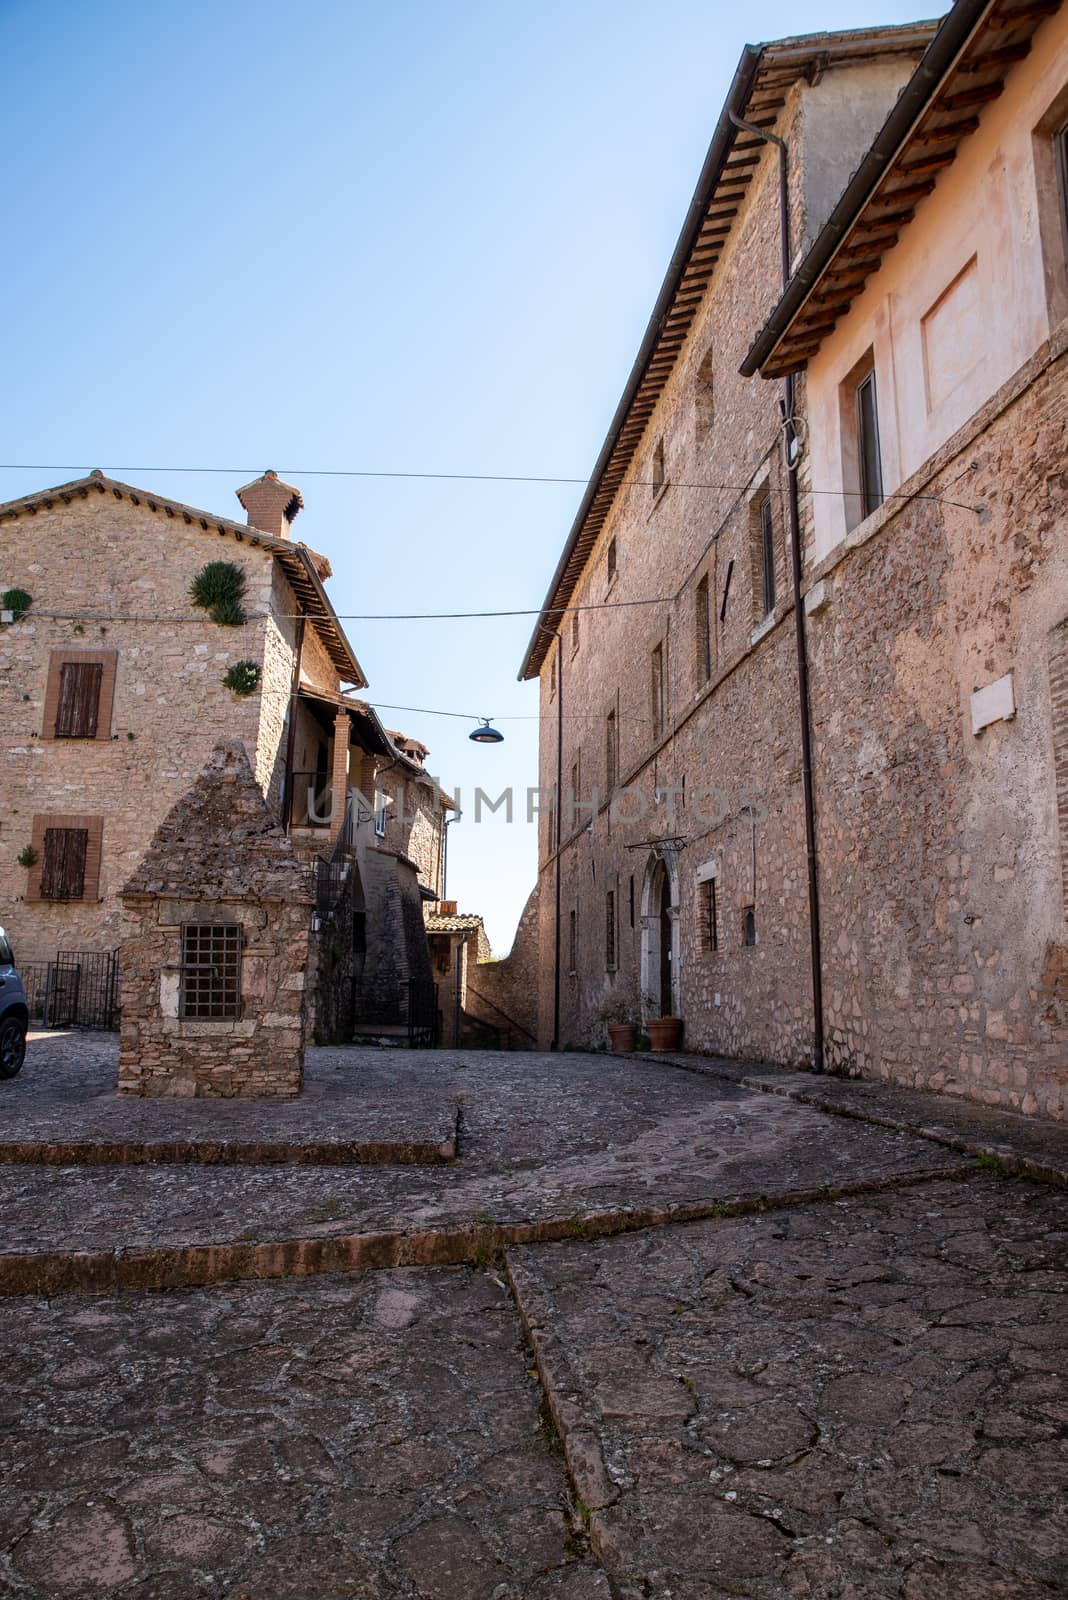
[
  {"x": 63, "y": 874},
  {"x": 79, "y": 699}
]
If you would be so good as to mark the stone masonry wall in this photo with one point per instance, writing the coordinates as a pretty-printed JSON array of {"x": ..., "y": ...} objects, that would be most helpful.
[
  {"x": 504, "y": 993},
  {"x": 946, "y": 944},
  {"x": 109, "y": 560},
  {"x": 219, "y": 857},
  {"x": 722, "y": 778}
]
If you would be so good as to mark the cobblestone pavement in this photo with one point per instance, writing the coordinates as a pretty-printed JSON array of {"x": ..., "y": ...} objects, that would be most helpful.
[
  {"x": 864, "y": 1398},
  {"x": 556, "y": 1143},
  {"x": 845, "y": 1383},
  {"x": 1031, "y": 1146},
  {"x": 372, "y": 1436}
]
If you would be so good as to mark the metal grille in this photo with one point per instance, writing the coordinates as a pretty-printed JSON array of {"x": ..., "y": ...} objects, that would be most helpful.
[
  {"x": 211, "y": 970},
  {"x": 79, "y": 989}
]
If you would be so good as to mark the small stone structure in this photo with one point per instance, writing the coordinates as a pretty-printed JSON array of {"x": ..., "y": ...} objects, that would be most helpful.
[{"x": 215, "y": 949}]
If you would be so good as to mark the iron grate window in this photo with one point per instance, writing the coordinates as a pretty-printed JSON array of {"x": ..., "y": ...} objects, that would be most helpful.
[
  {"x": 211, "y": 970},
  {"x": 610, "y": 931}
]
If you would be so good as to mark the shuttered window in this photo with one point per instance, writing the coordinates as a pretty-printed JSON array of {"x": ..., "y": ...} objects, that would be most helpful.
[
  {"x": 79, "y": 694},
  {"x": 63, "y": 871},
  {"x": 79, "y": 699}
]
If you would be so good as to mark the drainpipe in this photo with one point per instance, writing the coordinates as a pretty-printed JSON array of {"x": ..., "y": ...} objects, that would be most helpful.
[
  {"x": 558, "y": 810},
  {"x": 291, "y": 737},
  {"x": 786, "y": 406}
]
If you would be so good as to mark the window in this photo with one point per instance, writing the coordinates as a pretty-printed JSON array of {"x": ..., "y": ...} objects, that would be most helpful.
[
  {"x": 708, "y": 915},
  {"x": 68, "y": 857},
  {"x": 767, "y": 556},
  {"x": 1060, "y": 146},
  {"x": 659, "y": 480},
  {"x": 79, "y": 694},
  {"x": 552, "y": 678},
  {"x": 572, "y": 943},
  {"x": 611, "y": 754},
  {"x": 211, "y": 970},
  {"x": 63, "y": 869},
  {"x": 610, "y": 930},
  {"x": 1049, "y": 144},
  {"x": 703, "y": 632},
  {"x": 610, "y": 562},
  {"x": 749, "y": 936},
  {"x": 868, "y": 457},
  {"x": 79, "y": 699},
  {"x": 381, "y": 802},
  {"x": 632, "y": 900},
  {"x": 658, "y": 705},
  {"x": 574, "y": 631},
  {"x": 704, "y": 410},
  {"x": 726, "y": 590}
]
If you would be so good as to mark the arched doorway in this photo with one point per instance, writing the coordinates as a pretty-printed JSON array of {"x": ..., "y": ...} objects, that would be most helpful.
[{"x": 660, "y": 935}]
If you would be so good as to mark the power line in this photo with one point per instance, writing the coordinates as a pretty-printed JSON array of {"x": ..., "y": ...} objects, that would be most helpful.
[{"x": 465, "y": 477}]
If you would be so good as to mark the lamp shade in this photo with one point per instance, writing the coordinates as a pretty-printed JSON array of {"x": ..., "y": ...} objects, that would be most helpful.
[{"x": 484, "y": 734}]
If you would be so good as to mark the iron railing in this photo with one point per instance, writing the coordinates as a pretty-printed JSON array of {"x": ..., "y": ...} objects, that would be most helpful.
[
  {"x": 79, "y": 989},
  {"x": 411, "y": 1005},
  {"x": 329, "y": 873}
]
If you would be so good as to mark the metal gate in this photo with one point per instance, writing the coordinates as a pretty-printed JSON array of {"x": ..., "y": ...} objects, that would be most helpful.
[{"x": 79, "y": 989}]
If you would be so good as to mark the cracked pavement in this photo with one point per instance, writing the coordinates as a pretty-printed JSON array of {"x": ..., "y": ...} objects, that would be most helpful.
[{"x": 845, "y": 1381}]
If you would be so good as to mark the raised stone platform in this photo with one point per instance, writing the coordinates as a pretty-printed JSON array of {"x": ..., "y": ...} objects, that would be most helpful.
[{"x": 64, "y": 1110}]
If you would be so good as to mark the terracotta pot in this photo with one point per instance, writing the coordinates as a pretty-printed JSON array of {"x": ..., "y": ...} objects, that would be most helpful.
[
  {"x": 622, "y": 1037},
  {"x": 665, "y": 1033}
]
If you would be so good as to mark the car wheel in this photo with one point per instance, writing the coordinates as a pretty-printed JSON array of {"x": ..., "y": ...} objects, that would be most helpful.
[{"x": 12, "y": 1046}]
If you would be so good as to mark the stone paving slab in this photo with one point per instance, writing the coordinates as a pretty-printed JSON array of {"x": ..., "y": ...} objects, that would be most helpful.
[
  {"x": 650, "y": 1145},
  {"x": 63, "y": 1108},
  {"x": 370, "y": 1437},
  {"x": 840, "y": 1401},
  {"x": 1032, "y": 1147}
]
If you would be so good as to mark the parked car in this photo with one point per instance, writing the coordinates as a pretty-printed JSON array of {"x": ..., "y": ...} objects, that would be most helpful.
[{"x": 14, "y": 1013}]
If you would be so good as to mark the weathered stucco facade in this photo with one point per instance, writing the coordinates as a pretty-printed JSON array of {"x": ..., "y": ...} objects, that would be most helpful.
[{"x": 938, "y": 842}]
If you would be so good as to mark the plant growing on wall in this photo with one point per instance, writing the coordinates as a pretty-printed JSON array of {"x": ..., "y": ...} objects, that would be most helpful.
[
  {"x": 243, "y": 677},
  {"x": 17, "y": 601},
  {"x": 219, "y": 589},
  {"x": 27, "y": 857}
]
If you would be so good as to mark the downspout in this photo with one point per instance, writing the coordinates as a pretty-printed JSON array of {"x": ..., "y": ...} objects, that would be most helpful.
[
  {"x": 558, "y": 808},
  {"x": 291, "y": 737},
  {"x": 804, "y": 704},
  {"x": 559, "y": 830}
]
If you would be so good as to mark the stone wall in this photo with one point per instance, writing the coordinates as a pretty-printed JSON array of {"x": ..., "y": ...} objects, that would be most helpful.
[
  {"x": 130, "y": 567},
  {"x": 940, "y": 844},
  {"x": 722, "y": 776},
  {"x": 946, "y": 944},
  {"x": 504, "y": 993},
  {"x": 219, "y": 859}
]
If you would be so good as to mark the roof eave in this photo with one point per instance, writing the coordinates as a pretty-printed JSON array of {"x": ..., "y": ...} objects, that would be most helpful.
[
  {"x": 953, "y": 35},
  {"x": 695, "y": 216}
]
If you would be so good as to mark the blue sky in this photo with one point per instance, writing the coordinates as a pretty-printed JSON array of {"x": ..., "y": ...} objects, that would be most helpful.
[{"x": 400, "y": 238}]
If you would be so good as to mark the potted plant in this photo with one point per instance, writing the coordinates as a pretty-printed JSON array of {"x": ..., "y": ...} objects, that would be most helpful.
[
  {"x": 622, "y": 1034},
  {"x": 665, "y": 1033}
]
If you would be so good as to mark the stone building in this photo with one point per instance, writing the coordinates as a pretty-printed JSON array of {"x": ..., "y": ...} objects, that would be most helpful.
[
  {"x": 115, "y": 687},
  {"x": 930, "y": 320},
  {"x": 215, "y": 947},
  {"x": 703, "y": 861}
]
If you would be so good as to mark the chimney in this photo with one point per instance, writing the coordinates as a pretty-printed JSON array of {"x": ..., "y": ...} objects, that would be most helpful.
[{"x": 271, "y": 505}]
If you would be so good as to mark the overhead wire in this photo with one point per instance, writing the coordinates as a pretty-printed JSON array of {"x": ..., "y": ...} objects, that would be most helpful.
[{"x": 457, "y": 477}]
